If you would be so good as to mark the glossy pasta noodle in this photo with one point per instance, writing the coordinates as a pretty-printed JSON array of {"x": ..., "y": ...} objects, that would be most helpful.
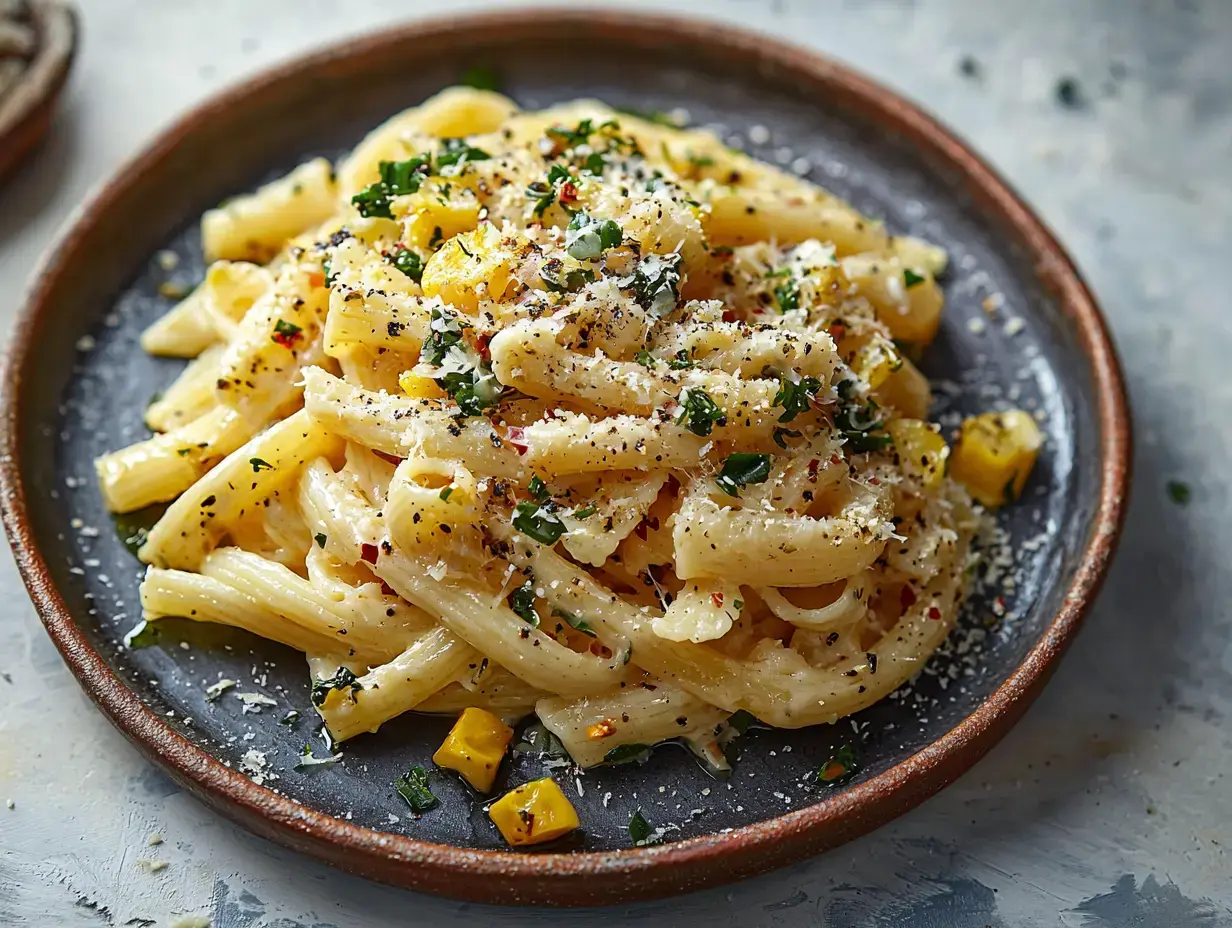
[{"x": 564, "y": 412}]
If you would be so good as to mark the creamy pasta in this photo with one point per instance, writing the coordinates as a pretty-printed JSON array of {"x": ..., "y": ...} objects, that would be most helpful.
[{"x": 562, "y": 412}]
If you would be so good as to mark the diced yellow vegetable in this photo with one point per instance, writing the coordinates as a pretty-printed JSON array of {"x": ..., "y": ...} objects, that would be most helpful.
[
  {"x": 922, "y": 451},
  {"x": 474, "y": 747},
  {"x": 534, "y": 813},
  {"x": 434, "y": 214},
  {"x": 906, "y": 299},
  {"x": 876, "y": 361},
  {"x": 455, "y": 272},
  {"x": 995, "y": 454},
  {"x": 418, "y": 386},
  {"x": 906, "y": 391}
]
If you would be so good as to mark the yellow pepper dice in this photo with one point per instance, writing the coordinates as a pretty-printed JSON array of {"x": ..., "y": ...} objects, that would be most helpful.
[
  {"x": 464, "y": 262},
  {"x": 995, "y": 454},
  {"x": 534, "y": 813},
  {"x": 474, "y": 747},
  {"x": 922, "y": 451}
]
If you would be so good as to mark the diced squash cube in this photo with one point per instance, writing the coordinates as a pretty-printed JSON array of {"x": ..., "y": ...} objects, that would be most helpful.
[
  {"x": 456, "y": 272},
  {"x": 418, "y": 386},
  {"x": 995, "y": 454},
  {"x": 906, "y": 391},
  {"x": 907, "y": 299},
  {"x": 922, "y": 451},
  {"x": 474, "y": 747},
  {"x": 534, "y": 813},
  {"x": 876, "y": 361},
  {"x": 433, "y": 215}
]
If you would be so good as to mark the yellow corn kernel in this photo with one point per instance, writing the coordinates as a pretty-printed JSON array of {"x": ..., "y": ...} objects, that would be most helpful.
[
  {"x": 474, "y": 747},
  {"x": 534, "y": 813},
  {"x": 995, "y": 454},
  {"x": 456, "y": 272},
  {"x": 876, "y": 361},
  {"x": 433, "y": 215},
  {"x": 418, "y": 386},
  {"x": 922, "y": 451}
]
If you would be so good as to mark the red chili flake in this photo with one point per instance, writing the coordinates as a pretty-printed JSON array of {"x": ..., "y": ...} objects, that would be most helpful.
[
  {"x": 729, "y": 315},
  {"x": 835, "y": 459},
  {"x": 874, "y": 481},
  {"x": 717, "y": 599},
  {"x": 286, "y": 341},
  {"x": 369, "y": 553},
  {"x": 286, "y": 334},
  {"x": 600, "y": 650},
  {"x": 934, "y": 613},
  {"x": 387, "y": 589},
  {"x": 389, "y": 458},
  {"x": 481, "y": 343},
  {"x": 316, "y": 279},
  {"x": 515, "y": 436},
  {"x": 837, "y": 331},
  {"x": 812, "y": 468},
  {"x": 907, "y": 597},
  {"x": 568, "y": 193}
]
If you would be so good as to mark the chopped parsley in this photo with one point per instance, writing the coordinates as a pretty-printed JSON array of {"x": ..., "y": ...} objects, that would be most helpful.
[
  {"x": 570, "y": 138},
  {"x": 445, "y": 494},
  {"x": 481, "y": 78},
  {"x": 538, "y": 521},
  {"x": 859, "y": 423},
  {"x": 627, "y": 753},
  {"x": 445, "y": 332},
  {"x": 644, "y": 358},
  {"x": 586, "y": 511},
  {"x": 522, "y": 602},
  {"x": 457, "y": 152},
  {"x": 142, "y": 636},
  {"x": 320, "y": 538},
  {"x": 839, "y": 768},
  {"x": 343, "y": 679},
  {"x": 408, "y": 262},
  {"x": 286, "y": 333},
  {"x": 474, "y": 389},
  {"x": 413, "y": 787},
  {"x": 796, "y": 396},
  {"x": 558, "y": 280},
  {"x": 656, "y": 284},
  {"x": 787, "y": 295},
  {"x": 701, "y": 412},
  {"x": 544, "y": 192},
  {"x": 741, "y": 469},
  {"x": 1178, "y": 492},
  {"x": 911, "y": 278},
  {"x": 681, "y": 361},
  {"x": 259, "y": 465},
  {"x": 398, "y": 178},
  {"x": 574, "y": 621},
  {"x": 781, "y": 435},
  {"x": 641, "y": 833},
  {"x": 539, "y": 489},
  {"x": 587, "y": 237}
]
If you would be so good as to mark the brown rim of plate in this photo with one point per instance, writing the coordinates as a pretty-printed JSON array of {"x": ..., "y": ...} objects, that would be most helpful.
[{"x": 613, "y": 876}]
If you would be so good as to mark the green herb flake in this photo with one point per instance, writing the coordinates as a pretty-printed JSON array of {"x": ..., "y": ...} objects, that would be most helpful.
[
  {"x": 183, "y": 452},
  {"x": 437, "y": 237},
  {"x": 575, "y": 622},
  {"x": 1178, "y": 492},
  {"x": 481, "y": 78},
  {"x": 522, "y": 602},
  {"x": 413, "y": 787},
  {"x": 259, "y": 465},
  {"x": 586, "y": 511},
  {"x": 398, "y": 178},
  {"x": 456, "y": 152},
  {"x": 644, "y": 358},
  {"x": 681, "y": 361},
  {"x": 408, "y": 262},
  {"x": 787, "y": 295},
  {"x": 320, "y": 538},
  {"x": 839, "y": 768},
  {"x": 627, "y": 753},
  {"x": 143, "y": 635},
  {"x": 911, "y": 278},
  {"x": 656, "y": 284},
  {"x": 741, "y": 469},
  {"x": 641, "y": 833},
  {"x": 796, "y": 396},
  {"x": 700, "y": 411},
  {"x": 445, "y": 494},
  {"x": 539, "y": 489},
  {"x": 343, "y": 679},
  {"x": 538, "y": 522},
  {"x": 587, "y": 238},
  {"x": 781, "y": 435}
]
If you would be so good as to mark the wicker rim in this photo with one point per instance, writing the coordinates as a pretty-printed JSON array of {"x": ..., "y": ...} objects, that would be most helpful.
[{"x": 690, "y": 863}]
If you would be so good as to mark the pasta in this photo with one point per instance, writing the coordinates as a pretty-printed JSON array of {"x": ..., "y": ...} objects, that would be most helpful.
[{"x": 564, "y": 412}]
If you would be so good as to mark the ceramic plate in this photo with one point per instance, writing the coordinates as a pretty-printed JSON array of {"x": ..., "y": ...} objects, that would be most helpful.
[{"x": 1020, "y": 325}]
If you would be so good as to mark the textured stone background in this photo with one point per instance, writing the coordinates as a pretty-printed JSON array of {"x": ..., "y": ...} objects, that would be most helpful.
[{"x": 1111, "y": 803}]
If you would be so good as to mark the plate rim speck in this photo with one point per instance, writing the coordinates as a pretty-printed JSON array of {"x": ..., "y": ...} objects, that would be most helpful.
[{"x": 587, "y": 878}]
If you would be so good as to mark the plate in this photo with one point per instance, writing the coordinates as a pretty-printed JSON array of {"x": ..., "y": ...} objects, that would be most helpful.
[
  {"x": 1020, "y": 325},
  {"x": 26, "y": 109}
]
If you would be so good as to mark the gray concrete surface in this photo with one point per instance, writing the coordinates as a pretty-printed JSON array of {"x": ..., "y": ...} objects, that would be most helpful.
[{"x": 1110, "y": 805}]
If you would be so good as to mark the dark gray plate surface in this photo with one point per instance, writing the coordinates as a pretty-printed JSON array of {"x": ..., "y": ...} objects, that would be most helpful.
[{"x": 95, "y": 382}]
